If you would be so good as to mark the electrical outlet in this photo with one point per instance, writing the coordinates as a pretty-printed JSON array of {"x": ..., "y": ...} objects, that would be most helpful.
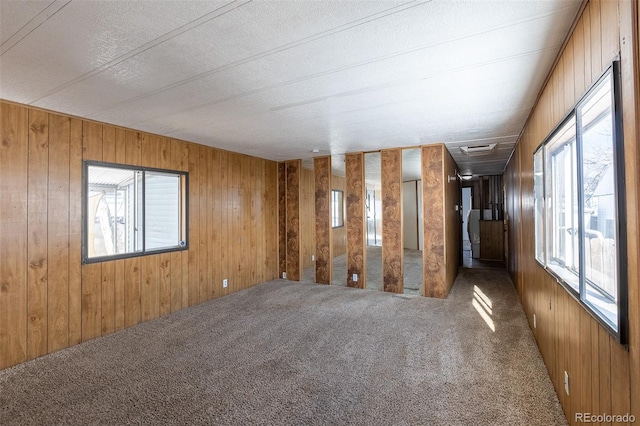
[
  {"x": 566, "y": 382},
  {"x": 534, "y": 321},
  {"x": 313, "y": 257},
  {"x": 284, "y": 275},
  {"x": 355, "y": 278},
  {"x": 225, "y": 283}
]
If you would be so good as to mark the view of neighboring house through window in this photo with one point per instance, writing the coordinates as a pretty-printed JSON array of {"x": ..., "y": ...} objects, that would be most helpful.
[{"x": 131, "y": 211}]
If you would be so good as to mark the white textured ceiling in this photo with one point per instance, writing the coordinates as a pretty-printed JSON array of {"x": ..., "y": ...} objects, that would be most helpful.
[{"x": 276, "y": 79}]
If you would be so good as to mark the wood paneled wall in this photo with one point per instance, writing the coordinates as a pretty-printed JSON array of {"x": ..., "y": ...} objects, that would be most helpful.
[
  {"x": 392, "y": 236},
  {"x": 434, "y": 268},
  {"x": 49, "y": 300},
  {"x": 604, "y": 377},
  {"x": 355, "y": 199},
  {"x": 294, "y": 243},
  {"x": 324, "y": 256},
  {"x": 442, "y": 221},
  {"x": 452, "y": 219},
  {"x": 307, "y": 217},
  {"x": 339, "y": 235}
]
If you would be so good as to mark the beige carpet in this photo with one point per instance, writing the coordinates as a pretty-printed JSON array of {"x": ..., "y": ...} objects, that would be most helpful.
[{"x": 297, "y": 353}]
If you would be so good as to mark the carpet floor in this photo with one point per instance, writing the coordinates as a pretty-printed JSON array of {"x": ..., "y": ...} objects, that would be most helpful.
[{"x": 303, "y": 354}]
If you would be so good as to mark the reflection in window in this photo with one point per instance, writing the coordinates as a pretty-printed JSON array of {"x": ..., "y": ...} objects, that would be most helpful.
[{"x": 132, "y": 211}]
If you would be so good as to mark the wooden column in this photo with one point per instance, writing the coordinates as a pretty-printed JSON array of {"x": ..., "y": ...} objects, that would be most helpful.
[
  {"x": 356, "y": 259},
  {"x": 282, "y": 219},
  {"x": 293, "y": 168},
  {"x": 433, "y": 255},
  {"x": 324, "y": 251},
  {"x": 392, "y": 242}
]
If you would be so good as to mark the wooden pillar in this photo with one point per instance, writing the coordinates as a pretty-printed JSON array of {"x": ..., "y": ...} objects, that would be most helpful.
[
  {"x": 392, "y": 241},
  {"x": 324, "y": 250},
  {"x": 282, "y": 219},
  {"x": 294, "y": 262},
  {"x": 433, "y": 255},
  {"x": 355, "y": 189}
]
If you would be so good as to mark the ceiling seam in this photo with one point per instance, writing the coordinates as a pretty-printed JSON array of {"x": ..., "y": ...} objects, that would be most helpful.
[
  {"x": 269, "y": 52},
  {"x": 389, "y": 56},
  {"x": 317, "y": 75},
  {"x": 391, "y": 85},
  {"x": 35, "y": 22},
  {"x": 346, "y": 67},
  {"x": 147, "y": 46}
]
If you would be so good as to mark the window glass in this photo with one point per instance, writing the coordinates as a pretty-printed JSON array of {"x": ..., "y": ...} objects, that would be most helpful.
[
  {"x": 131, "y": 211},
  {"x": 162, "y": 208},
  {"x": 599, "y": 199},
  {"x": 562, "y": 201}
]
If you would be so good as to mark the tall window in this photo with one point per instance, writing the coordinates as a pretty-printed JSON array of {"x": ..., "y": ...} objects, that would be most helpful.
[
  {"x": 131, "y": 211},
  {"x": 579, "y": 207},
  {"x": 337, "y": 209}
]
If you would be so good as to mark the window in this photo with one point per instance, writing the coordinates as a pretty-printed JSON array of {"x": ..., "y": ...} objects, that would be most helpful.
[
  {"x": 337, "y": 208},
  {"x": 131, "y": 211},
  {"x": 579, "y": 205},
  {"x": 562, "y": 204}
]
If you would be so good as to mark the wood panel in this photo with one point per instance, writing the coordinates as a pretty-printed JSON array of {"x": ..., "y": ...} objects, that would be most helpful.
[
  {"x": 491, "y": 240},
  {"x": 293, "y": 170},
  {"x": 604, "y": 377},
  {"x": 14, "y": 154},
  {"x": 37, "y": 184},
  {"x": 58, "y": 233},
  {"x": 324, "y": 255},
  {"x": 433, "y": 254},
  {"x": 355, "y": 220},
  {"x": 393, "y": 246},
  {"x": 49, "y": 300},
  {"x": 75, "y": 231},
  {"x": 630, "y": 76},
  {"x": 452, "y": 220}
]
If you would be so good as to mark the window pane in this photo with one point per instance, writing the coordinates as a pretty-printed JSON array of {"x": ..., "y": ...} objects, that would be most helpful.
[
  {"x": 162, "y": 210},
  {"x": 538, "y": 189},
  {"x": 599, "y": 192},
  {"x": 562, "y": 205},
  {"x": 131, "y": 211},
  {"x": 110, "y": 213}
]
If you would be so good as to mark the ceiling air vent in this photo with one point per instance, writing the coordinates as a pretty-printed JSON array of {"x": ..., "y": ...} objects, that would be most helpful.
[{"x": 474, "y": 151}]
